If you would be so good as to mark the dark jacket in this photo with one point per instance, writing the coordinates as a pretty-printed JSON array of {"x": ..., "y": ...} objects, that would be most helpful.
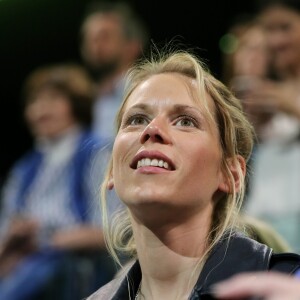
[{"x": 230, "y": 256}]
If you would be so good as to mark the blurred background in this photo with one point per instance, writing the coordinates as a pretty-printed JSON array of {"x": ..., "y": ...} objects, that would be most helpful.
[{"x": 34, "y": 32}]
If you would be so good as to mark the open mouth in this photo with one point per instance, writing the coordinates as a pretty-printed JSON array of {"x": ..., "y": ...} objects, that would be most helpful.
[
  {"x": 145, "y": 161},
  {"x": 153, "y": 163}
]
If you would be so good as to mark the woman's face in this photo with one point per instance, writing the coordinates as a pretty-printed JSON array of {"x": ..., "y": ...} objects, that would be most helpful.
[
  {"x": 167, "y": 152},
  {"x": 252, "y": 56},
  {"x": 49, "y": 113},
  {"x": 283, "y": 35}
]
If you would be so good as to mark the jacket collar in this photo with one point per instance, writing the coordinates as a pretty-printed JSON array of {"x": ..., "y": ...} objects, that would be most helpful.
[{"x": 234, "y": 253}]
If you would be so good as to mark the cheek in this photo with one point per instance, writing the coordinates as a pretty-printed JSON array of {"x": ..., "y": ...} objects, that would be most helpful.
[
  {"x": 121, "y": 161},
  {"x": 62, "y": 115},
  {"x": 123, "y": 152},
  {"x": 28, "y": 115},
  {"x": 209, "y": 162},
  {"x": 119, "y": 148},
  {"x": 205, "y": 161},
  {"x": 297, "y": 39},
  {"x": 62, "y": 110}
]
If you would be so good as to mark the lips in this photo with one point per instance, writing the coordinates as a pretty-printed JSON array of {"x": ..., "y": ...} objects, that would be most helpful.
[{"x": 152, "y": 158}]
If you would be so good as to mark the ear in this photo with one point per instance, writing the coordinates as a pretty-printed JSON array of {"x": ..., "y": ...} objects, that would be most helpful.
[
  {"x": 237, "y": 168},
  {"x": 110, "y": 183}
]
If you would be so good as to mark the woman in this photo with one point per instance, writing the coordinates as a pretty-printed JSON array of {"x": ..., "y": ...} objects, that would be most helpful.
[
  {"x": 47, "y": 214},
  {"x": 178, "y": 163}
]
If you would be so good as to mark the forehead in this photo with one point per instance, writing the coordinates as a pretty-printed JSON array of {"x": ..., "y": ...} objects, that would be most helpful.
[
  {"x": 97, "y": 21},
  {"x": 278, "y": 13},
  {"x": 253, "y": 34},
  {"x": 170, "y": 88}
]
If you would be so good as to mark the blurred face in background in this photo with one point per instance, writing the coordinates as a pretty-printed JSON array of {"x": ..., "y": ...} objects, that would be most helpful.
[
  {"x": 49, "y": 113},
  {"x": 103, "y": 43},
  {"x": 252, "y": 56},
  {"x": 283, "y": 31}
]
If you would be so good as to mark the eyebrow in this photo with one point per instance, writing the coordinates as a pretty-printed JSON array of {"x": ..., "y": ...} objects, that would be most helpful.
[
  {"x": 176, "y": 108},
  {"x": 180, "y": 107}
]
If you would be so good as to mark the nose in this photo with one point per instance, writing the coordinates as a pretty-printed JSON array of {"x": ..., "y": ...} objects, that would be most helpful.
[
  {"x": 156, "y": 132},
  {"x": 277, "y": 39}
]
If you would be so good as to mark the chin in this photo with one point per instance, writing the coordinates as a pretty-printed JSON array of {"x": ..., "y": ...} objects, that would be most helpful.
[
  {"x": 149, "y": 200},
  {"x": 154, "y": 197}
]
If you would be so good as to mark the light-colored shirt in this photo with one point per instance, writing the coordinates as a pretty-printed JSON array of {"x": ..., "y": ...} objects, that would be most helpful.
[
  {"x": 274, "y": 191},
  {"x": 105, "y": 110}
]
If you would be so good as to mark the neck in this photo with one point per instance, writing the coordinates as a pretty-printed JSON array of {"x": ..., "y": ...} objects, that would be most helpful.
[
  {"x": 66, "y": 134},
  {"x": 170, "y": 260},
  {"x": 108, "y": 84}
]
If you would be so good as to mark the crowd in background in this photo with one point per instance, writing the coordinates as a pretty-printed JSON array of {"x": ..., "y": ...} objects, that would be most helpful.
[
  {"x": 263, "y": 70},
  {"x": 50, "y": 220}
]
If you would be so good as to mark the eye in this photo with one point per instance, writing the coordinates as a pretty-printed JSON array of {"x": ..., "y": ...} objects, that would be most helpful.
[
  {"x": 136, "y": 120},
  {"x": 186, "y": 121}
]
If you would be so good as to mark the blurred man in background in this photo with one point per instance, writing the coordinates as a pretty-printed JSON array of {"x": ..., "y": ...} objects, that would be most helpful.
[{"x": 112, "y": 38}]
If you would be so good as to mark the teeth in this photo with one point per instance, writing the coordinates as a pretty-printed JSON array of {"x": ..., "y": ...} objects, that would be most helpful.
[{"x": 152, "y": 162}]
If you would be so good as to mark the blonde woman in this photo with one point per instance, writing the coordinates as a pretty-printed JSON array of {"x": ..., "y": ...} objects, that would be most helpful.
[{"x": 178, "y": 164}]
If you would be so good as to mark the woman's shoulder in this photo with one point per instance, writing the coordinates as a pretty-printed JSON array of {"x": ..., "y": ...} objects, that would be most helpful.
[
  {"x": 107, "y": 291},
  {"x": 264, "y": 256}
]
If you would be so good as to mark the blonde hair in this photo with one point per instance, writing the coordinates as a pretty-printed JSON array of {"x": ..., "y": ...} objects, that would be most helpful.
[{"x": 236, "y": 139}]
